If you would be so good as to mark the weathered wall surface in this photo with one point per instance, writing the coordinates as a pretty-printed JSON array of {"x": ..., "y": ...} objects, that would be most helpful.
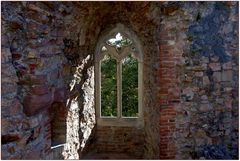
[
  {"x": 36, "y": 72},
  {"x": 198, "y": 95},
  {"x": 210, "y": 88},
  {"x": 32, "y": 55},
  {"x": 118, "y": 139},
  {"x": 190, "y": 76}
]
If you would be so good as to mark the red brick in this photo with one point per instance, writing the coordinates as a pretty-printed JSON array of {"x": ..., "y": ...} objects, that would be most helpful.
[
  {"x": 165, "y": 47},
  {"x": 163, "y": 101}
]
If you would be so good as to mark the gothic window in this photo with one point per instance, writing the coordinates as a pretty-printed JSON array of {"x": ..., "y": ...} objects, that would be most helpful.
[{"x": 118, "y": 81}]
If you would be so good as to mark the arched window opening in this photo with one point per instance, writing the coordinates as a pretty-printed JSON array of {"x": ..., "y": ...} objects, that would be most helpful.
[{"x": 118, "y": 71}]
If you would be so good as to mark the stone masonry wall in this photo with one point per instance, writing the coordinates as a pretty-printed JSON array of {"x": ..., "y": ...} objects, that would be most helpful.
[
  {"x": 35, "y": 75},
  {"x": 210, "y": 87},
  {"x": 198, "y": 95},
  {"x": 33, "y": 59},
  {"x": 190, "y": 79}
]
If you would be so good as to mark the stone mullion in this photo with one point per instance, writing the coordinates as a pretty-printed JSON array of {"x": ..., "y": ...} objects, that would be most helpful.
[{"x": 119, "y": 89}]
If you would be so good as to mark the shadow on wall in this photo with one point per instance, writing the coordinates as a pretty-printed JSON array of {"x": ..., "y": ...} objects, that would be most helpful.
[
  {"x": 58, "y": 128},
  {"x": 72, "y": 123}
]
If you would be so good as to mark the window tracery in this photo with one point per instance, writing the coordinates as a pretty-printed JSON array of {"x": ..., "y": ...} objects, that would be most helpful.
[{"x": 118, "y": 80}]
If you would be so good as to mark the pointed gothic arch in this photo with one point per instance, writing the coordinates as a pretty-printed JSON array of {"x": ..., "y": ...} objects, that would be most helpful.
[{"x": 134, "y": 49}]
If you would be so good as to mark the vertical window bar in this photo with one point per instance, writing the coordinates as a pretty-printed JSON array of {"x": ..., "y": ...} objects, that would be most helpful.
[{"x": 119, "y": 89}]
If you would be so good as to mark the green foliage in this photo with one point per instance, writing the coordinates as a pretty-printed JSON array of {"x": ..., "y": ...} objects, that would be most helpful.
[
  {"x": 130, "y": 87},
  {"x": 129, "y": 82},
  {"x": 108, "y": 87}
]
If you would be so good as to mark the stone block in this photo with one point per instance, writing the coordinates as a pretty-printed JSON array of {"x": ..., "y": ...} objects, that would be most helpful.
[
  {"x": 214, "y": 58},
  {"x": 32, "y": 103},
  {"x": 33, "y": 122},
  {"x": 205, "y": 81},
  {"x": 204, "y": 59},
  {"x": 33, "y": 154},
  {"x": 38, "y": 8},
  {"x": 227, "y": 65},
  {"x": 227, "y": 75},
  {"x": 36, "y": 132},
  {"x": 219, "y": 100},
  {"x": 16, "y": 156},
  {"x": 4, "y": 39},
  {"x": 31, "y": 79},
  {"x": 22, "y": 143},
  {"x": 11, "y": 149},
  {"x": 39, "y": 89},
  {"x": 205, "y": 108},
  {"x": 54, "y": 75},
  {"x": 7, "y": 70},
  {"x": 215, "y": 66},
  {"x": 66, "y": 70},
  {"x": 5, "y": 125},
  {"x": 217, "y": 76},
  {"x": 199, "y": 74},
  {"x": 188, "y": 93},
  {"x": 4, "y": 153},
  {"x": 204, "y": 97},
  {"x": 197, "y": 68},
  {"x": 7, "y": 88},
  {"x": 201, "y": 138},
  {"x": 5, "y": 55},
  {"x": 15, "y": 108},
  {"x": 228, "y": 104},
  {"x": 228, "y": 89},
  {"x": 59, "y": 95}
]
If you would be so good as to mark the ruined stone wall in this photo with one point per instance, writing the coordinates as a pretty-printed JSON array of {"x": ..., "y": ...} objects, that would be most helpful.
[
  {"x": 32, "y": 50},
  {"x": 198, "y": 95},
  {"x": 210, "y": 87},
  {"x": 190, "y": 72},
  {"x": 36, "y": 72}
]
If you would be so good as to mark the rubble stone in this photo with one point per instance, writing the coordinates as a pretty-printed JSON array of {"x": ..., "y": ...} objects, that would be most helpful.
[{"x": 190, "y": 79}]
